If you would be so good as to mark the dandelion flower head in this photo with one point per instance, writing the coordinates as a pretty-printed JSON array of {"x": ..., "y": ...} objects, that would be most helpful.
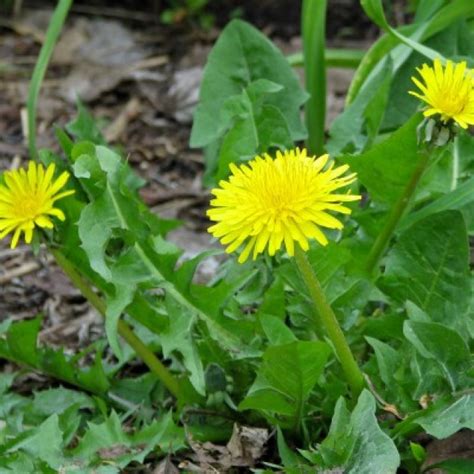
[
  {"x": 27, "y": 200},
  {"x": 448, "y": 91},
  {"x": 268, "y": 202}
]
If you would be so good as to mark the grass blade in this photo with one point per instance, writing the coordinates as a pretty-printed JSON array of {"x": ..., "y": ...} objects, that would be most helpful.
[
  {"x": 52, "y": 34},
  {"x": 314, "y": 32}
]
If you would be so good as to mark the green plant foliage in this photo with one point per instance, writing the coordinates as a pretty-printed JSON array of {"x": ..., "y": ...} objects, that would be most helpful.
[
  {"x": 20, "y": 344},
  {"x": 257, "y": 346},
  {"x": 250, "y": 100},
  {"x": 429, "y": 266},
  {"x": 375, "y": 77},
  {"x": 39, "y": 434},
  {"x": 108, "y": 442},
  {"x": 357, "y": 127},
  {"x": 124, "y": 243},
  {"x": 386, "y": 168},
  {"x": 374, "y": 9},
  {"x": 356, "y": 443},
  {"x": 442, "y": 344},
  {"x": 302, "y": 362},
  {"x": 445, "y": 422}
]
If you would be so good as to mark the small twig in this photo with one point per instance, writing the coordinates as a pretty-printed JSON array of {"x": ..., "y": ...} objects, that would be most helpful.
[
  {"x": 148, "y": 63},
  {"x": 76, "y": 323},
  {"x": 388, "y": 407},
  {"x": 27, "y": 267},
  {"x": 114, "y": 13},
  {"x": 113, "y": 132},
  {"x": 20, "y": 250}
]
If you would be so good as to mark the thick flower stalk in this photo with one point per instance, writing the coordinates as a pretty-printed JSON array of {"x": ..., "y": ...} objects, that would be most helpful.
[
  {"x": 448, "y": 91},
  {"x": 27, "y": 200},
  {"x": 270, "y": 202}
]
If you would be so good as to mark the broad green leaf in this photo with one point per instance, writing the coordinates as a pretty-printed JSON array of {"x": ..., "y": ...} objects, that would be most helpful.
[
  {"x": 302, "y": 362},
  {"x": 356, "y": 443},
  {"x": 387, "y": 167},
  {"x": 250, "y": 101},
  {"x": 388, "y": 360},
  {"x": 274, "y": 300},
  {"x": 376, "y": 108},
  {"x": 444, "y": 423},
  {"x": 276, "y": 330},
  {"x": 336, "y": 447},
  {"x": 426, "y": 8},
  {"x": 442, "y": 344},
  {"x": 241, "y": 56},
  {"x": 386, "y": 327},
  {"x": 429, "y": 266},
  {"x": 18, "y": 462},
  {"x": 266, "y": 399},
  {"x": 256, "y": 128},
  {"x": 286, "y": 377}
]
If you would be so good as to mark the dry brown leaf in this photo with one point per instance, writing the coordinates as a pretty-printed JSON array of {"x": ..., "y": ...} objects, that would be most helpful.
[
  {"x": 166, "y": 467},
  {"x": 244, "y": 449}
]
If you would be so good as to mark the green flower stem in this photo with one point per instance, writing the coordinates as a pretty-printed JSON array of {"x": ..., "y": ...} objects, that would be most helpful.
[
  {"x": 330, "y": 323},
  {"x": 313, "y": 26},
  {"x": 396, "y": 214},
  {"x": 124, "y": 330}
]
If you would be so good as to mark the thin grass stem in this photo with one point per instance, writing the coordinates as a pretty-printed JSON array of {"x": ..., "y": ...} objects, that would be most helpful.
[
  {"x": 52, "y": 35},
  {"x": 313, "y": 25}
]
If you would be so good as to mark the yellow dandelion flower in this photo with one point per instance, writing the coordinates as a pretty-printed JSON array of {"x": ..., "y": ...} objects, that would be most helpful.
[
  {"x": 27, "y": 200},
  {"x": 270, "y": 201},
  {"x": 448, "y": 91}
]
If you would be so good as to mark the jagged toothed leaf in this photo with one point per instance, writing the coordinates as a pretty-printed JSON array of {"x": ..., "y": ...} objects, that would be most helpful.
[
  {"x": 179, "y": 337},
  {"x": 44, "y": 442},
  {"x": 21, "y": 341},
  {"x": 124, "y": 243},
  {"x": 84, "y": 127},
  {"x": 109, "y": 441},
  {"x": 20, "y": 345}
]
